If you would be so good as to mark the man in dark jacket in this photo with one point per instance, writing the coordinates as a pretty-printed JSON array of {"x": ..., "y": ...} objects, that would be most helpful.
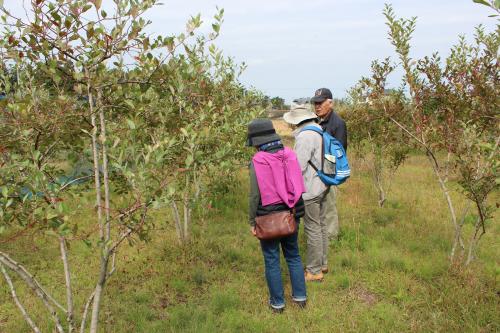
[{"x": 333, "y": 124}]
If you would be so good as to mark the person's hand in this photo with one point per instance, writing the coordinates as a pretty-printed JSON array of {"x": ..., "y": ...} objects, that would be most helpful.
[{"x": 252, "y": 230}]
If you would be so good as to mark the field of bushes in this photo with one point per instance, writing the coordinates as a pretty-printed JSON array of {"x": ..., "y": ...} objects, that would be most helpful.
[
  {"x": 123, "y": 188},
  {"x": 390, "y": 270}
]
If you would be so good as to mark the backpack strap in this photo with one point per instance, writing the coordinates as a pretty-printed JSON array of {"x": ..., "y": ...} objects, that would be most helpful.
[
  {"x": 320, "y": 132},
  {"x": 312, "y": 128},
  {"x": 313, "y": 166}
]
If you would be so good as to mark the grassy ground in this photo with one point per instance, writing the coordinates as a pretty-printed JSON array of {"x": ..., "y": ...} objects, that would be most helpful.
[{"x": 389, "y": 271}]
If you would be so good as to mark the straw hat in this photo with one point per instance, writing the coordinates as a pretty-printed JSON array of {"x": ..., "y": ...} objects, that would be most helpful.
[{"x": 298, "y": 113}]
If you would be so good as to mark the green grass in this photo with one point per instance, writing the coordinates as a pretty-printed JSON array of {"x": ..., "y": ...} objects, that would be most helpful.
[{"x": 389, "y": 271}]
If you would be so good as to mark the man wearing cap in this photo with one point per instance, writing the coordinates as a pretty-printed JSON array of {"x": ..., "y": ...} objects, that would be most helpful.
[
  {"x": 333, "y": 124},
  {"x": 308, "y": 146}
]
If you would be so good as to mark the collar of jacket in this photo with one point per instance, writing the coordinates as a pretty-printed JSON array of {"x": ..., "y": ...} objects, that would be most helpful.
[
  {"x": 327, "y": 118},
  {"x": 273, "y": 149},
  {"x": 304, "y": 124},
  {"x": 270, "y": 144}
]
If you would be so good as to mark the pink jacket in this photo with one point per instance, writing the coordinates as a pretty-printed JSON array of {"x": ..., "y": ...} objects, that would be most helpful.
[{"x": 279, "y": 177}]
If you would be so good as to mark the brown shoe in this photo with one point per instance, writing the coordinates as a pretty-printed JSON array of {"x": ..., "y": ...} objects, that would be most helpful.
[
  {"x": 313, "y": 277},
  {"x": 324, "y": 270}
]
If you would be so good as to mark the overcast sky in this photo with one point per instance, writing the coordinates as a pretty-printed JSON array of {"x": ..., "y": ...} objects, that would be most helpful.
[{"x": 292, "y": 47}]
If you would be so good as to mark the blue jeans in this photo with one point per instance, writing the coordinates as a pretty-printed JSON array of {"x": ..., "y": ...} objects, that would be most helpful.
[{"x": 271, "y": 252}]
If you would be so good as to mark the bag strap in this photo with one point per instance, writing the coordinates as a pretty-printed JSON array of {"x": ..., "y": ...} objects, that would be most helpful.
[
  {"x": 312, "y": 128},
  {"x": 320, "y": 132},
  {"x": 313, "y": 166}
]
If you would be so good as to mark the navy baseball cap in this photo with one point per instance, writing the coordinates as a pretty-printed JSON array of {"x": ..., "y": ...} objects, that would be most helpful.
[{"x": 321, "y": 95}]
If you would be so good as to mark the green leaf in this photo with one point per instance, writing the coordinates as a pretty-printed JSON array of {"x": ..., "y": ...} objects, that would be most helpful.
[
  {"x": 129, "y": 103},
  {"x": 85, "y": 8},
  {"x": 61, "y": 207},
  {"x": 5, "y": 192},
  {"x": 51, "y": 215},
  {"x": 9, "y": 202},
  {"x": 171, "y": 191},
  {"x": 97, "y": 3},
  {"x": 189, "y": 160},
  {"x": 87, "y": 242},
  {"x": 116, "y": 142},
  {"x": 36, "y": 155},
  {"x": 1, "y": 3},
  {"x": 85, "y": 131},
  {"x": 216, "y": 27},
  {"x": 131, "y": 124},
  {"x": 482, "y": 2},
  {"x": 169, "y": 43},
  {"x": 134, "y": 11},
  {"x": 51, "y": 233},
  {"x": 90, "y": 32},
  {"x": 156, "y": 204},
  {"x": 56, "y": 16}
]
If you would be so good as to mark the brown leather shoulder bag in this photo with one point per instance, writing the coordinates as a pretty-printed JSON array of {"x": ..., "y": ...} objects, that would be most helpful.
[{"x": 276, "y": 225}]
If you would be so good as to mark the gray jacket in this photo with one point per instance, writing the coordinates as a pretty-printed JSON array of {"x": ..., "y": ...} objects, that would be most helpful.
[{"x": 308, "y": 148}]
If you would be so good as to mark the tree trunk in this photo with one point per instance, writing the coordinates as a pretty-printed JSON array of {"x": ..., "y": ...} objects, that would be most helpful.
[
  {"x": 18, "y": 303},
  {"x": 473, "y": 242},
  {"x": 67, "y": 278},
  {"x": 187, "y": 218},
  {"x": 481, "y": 220},
  {"x": 46, "y": 299},
  {"x": 177, "y": 219},
  {"x": 458, "y": 230},
  {"x": 105, "y": 172},
  {"x": 377, "y": 169},
  {"x": 86, "y": 311},
  {"x": 105, "y": 228},
  {"x": 98, "y": 292},
  {"x": 458, "y": 241},
  {"x": 95, "y": 156},
  {"x": 187, "y": 210},
  {"x": 377, "y": 180}
]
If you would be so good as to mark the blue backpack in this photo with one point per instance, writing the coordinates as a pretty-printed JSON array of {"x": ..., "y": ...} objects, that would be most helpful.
[{"x": 334, "y": 165}]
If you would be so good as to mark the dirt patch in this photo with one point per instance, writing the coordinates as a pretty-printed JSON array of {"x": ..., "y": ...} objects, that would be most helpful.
[
  {"x": 282, "y": 128},
  {"x": 285, "y": 131},
  {"x": 364, "y": 295}
]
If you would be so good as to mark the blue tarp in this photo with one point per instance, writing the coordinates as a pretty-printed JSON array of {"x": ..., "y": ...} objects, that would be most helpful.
[{"x": 79, "y": 176}]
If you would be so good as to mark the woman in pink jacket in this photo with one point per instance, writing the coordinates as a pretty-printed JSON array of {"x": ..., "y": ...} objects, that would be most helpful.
[{"x": 276, "y": 184}]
